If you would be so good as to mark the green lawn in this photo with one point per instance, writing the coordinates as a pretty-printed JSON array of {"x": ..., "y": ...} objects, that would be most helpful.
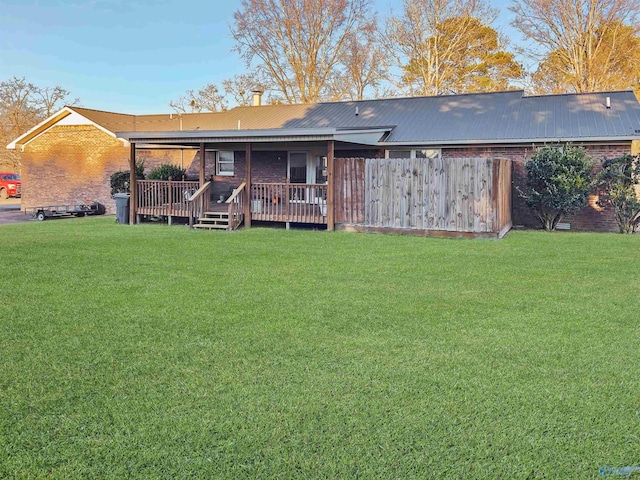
[{"x": 159, "y": 352}]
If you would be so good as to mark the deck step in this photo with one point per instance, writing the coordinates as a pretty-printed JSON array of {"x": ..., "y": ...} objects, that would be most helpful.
[
  {"x": 213, "y": 220},
  {"x": 215, "y": 214},
  {"x": 211, "y": 226}
]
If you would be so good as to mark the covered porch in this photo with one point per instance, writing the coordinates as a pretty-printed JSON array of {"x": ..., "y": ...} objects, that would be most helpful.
[{"x": 273, "y": 176}]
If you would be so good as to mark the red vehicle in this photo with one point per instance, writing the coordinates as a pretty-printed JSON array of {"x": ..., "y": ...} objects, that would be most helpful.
[{"x": 10, "y": 185}]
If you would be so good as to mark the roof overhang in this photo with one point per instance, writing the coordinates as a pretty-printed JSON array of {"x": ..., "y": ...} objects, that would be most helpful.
[
  {"x": 512, "y": 141},
  {"x": 367, "y": 136},
  {"x": 40, "y": 128},
  {"x": 49, "y": 122}
]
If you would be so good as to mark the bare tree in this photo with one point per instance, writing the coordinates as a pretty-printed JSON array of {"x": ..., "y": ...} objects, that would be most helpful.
[
  {"x": 366, "y": 64},
  {"x": 579, "y": 43},
  {"x": 299, "y": 44},
  {"x": 433, "y": 42},
  {"x": 208, "y": 98},
  {"x": 50, "y": 99},
  {"x": 242, "y": 86},
  {"x": 22, "y": 106}
]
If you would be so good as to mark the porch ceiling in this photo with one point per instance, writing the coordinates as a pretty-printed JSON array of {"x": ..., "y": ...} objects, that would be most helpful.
[{"x": 368, "y": 136}]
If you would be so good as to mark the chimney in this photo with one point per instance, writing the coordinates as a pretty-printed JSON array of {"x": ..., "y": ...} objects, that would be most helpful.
[{"x": 257, "y": 97}]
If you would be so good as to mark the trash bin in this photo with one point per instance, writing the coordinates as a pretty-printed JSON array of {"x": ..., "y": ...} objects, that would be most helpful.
[{"x": 122, "y": 207}]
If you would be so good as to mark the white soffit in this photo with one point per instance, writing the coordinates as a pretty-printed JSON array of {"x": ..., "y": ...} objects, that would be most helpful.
[{"x": 75, "y": 119}]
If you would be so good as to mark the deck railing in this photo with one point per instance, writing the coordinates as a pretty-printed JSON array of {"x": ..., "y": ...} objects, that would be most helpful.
[
  {"x": 198, "y": 202},
  {"x": 289, "y": 202},
  {"x": 235, "y": 204},
  {"x": 164, "y": 198}
]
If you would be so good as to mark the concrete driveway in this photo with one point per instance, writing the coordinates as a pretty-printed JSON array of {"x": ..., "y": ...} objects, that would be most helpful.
[{"x": 10, "y": 211}]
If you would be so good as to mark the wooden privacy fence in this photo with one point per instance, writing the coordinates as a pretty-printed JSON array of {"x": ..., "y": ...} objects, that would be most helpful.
[{"x": 442, "y": 194}]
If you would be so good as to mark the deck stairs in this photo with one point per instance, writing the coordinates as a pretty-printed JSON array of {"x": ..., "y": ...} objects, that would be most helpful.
[{"x": 213, "y": 221}]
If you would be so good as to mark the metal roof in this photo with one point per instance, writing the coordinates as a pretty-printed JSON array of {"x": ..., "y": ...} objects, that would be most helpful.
[
  {"x": 368, "y": 136},
  {"x": 499, "y": 117}
]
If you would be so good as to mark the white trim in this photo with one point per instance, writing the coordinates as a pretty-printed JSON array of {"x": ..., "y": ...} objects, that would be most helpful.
[
  {"x": 16, "y": 142},
  {"x": 217, "y": 162},
  {"x": 65, "y": 111},
  {"x": 74, "y": 119}
]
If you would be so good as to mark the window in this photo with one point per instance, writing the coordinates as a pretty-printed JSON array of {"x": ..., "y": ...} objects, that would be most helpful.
[
  {"x": 224, "y": 163},
  {"x": 414, "y": 153}
]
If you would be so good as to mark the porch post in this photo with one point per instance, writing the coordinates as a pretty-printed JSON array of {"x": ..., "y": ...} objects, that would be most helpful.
[
  {"x": 202, "y": 155},
  {"x": 247, "y": 179},
  {"x": 133, "y": 194},
  {"x": 330, "y": 186}
]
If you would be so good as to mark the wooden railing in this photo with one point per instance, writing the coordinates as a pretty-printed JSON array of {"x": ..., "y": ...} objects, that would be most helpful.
[
  {"x": 164, "y": 197},
  {"x": 198, "y": 202},
  {"x": 235, "y": 204},
  {"x": 289, "y": 202}
]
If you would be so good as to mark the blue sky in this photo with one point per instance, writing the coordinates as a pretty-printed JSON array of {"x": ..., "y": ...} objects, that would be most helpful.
[{"x": 130, "y": 56}]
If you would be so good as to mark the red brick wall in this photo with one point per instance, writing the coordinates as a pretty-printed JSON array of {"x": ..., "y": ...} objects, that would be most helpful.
[
  {"x": 590, "y": 218},
  {"x": 71, "y": 164}
]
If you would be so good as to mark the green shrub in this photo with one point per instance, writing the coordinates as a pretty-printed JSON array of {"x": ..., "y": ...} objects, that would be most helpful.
[
  {"x": 558, "y": 182},
  {"x": 617, "y": 183},
  {"x": 120, "y": 180},
  {"x": 163, "y": 172}
]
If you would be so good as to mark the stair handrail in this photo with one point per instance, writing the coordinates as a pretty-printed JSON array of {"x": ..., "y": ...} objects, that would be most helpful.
[
  {"x": 197, "y": 200},
  {"x": 235, "y": 205},
  {"x": 236, "y": 192}
]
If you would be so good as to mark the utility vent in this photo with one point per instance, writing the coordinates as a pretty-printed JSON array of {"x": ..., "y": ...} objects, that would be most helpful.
[{"x": 563, "y": 226}]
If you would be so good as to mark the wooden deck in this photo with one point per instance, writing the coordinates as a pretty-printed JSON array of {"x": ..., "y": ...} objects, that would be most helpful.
[
  {"x": 289, "y": 202},
  {"x": 293, "y": 212},
  {"x": 270, "y": 202}
]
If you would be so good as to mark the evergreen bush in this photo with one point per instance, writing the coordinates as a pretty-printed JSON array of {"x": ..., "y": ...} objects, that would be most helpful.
[
  {"x": 164, "y": 171},
  {"x": 120, "y": 180},
  {"x": 558, "y": 182},
  {"x": 619, "y": 187}
]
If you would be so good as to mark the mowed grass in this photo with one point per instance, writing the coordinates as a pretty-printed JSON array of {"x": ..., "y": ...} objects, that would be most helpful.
[{"x": 159, "y": 352}]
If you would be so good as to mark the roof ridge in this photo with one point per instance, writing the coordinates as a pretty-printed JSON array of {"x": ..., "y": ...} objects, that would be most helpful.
[
  {"x": 414, "y": 97},
  {"x": 568, "y": 94},
  {"x": 74, "y": 107}
]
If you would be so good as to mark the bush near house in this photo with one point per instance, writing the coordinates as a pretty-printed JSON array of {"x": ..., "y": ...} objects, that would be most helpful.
[
  {"x": 558, "y": 182},
  {"x": 619, "y": 183},
  {"x": 167, "y": 171},
  {"x": 120, "y": 180}
]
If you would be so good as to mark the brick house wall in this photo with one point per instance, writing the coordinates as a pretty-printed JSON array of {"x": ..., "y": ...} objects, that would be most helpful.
[
  {"x": 154, "y": 158},
  {"x": 590, "y": 218},
  {"x": 71, "y": 165}
]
